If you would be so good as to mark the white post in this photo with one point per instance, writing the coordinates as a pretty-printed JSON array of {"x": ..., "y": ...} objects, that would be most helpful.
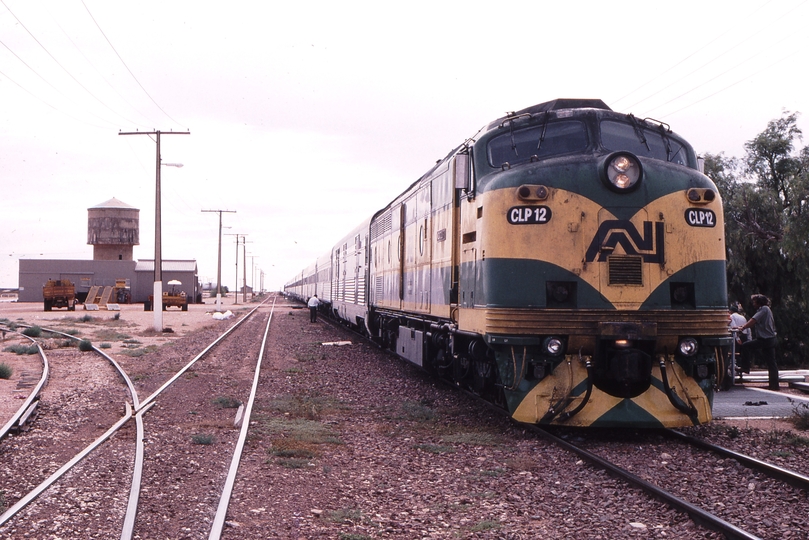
[{"x": 157, "y": 306}]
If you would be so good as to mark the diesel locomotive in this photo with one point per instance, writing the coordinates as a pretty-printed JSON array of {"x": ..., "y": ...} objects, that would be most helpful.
[{"x": 566, "y": 263}]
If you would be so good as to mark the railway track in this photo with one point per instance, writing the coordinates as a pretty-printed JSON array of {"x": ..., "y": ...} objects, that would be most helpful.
[
  {"x": 719, "y": 507},
  {"x": 729, "y": 520},
  {"x": 30, "y": 403},
  {"x": 392, "y": 455},
  {"x": 23, "y": 515}
]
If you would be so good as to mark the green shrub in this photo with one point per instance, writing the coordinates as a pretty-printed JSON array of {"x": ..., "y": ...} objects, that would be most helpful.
[
  {"x": 227, "y": 402},
  {"x": 800, "y": 416},
  {"x": 32, "y": 331},
  {"x": 202, "y": 438},
  {"x": 85, "y": 345},
  {"x": 22, "y": 349},
  {"x": 5, "y": 371},
  {"x": 106, "y": 345}
]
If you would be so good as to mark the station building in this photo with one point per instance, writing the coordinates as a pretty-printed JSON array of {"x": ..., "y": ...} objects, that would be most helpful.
[{"x": 113, "y": 229}]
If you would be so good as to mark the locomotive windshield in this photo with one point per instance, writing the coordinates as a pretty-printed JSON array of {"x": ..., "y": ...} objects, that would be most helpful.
[
  {"x": 643, "y": 140},
  {"x": 551, "y": 139},
  {"x": 557, "y": 138}
]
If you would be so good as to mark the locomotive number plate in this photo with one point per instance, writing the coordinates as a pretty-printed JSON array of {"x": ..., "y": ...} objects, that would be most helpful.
[
  {"x": 700, "y": 218},
  {"x": 528, "y": 215}
]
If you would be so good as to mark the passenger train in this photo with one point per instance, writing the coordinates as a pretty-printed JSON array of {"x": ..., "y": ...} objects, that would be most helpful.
[{"x": 566, "y": 263}]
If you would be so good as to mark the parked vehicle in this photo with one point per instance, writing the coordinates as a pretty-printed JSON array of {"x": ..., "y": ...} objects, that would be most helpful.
[{"x": 59, "y": 293}]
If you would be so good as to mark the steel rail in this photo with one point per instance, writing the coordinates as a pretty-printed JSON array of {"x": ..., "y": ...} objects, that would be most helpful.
[
  {"x": 224, "y": 501},
  {"x": 137, "y": 472},
  {"x": 205, "y": 351},
  {"x": 33, "y": 396},
  {"x": 137, "y": 413},
  {"x": 37, "y": 491},
  {"x": 792, "y": 478},
  {"x": 697, "y": 514},
  {"x": 128, "y": 529}
]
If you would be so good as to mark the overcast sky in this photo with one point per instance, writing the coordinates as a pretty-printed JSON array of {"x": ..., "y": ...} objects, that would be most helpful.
[{"x": 306, "y": 117}]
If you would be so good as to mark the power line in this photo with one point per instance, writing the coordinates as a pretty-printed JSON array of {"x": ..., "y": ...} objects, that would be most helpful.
[
  {"x": 700, "y": 85},
  {"x": 60, "y": 64},
  {"x": 100, "y": 74},
  {"x": 746, "y": 77},
  {"x": 126, "y": 66},
  {"x": 52, "y": 106}
]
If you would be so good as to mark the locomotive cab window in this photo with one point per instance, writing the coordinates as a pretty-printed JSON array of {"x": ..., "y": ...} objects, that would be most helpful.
[
  {"x": 552, "y": 139},
  {"x": 645, "y": 141}
]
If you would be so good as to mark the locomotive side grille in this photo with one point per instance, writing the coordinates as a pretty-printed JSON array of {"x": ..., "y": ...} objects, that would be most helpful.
[
  {"x": 379, "y": 287},
  {"x": 381, "y": 226},
  {"x": 361, "y": 289},
  {"x": 625, "y": 270}
]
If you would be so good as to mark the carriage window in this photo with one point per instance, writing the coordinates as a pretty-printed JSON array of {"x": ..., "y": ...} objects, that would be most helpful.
[
  {"x": 520, "y": 146},
  {"x": 644, "y": 140}
]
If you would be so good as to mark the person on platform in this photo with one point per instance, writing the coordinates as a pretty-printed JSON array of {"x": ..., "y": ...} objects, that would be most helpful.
[
  {"x": 736, "y": 319},
  {"x": 313, "y": 303},
  {"x": 764, "y": 324}
]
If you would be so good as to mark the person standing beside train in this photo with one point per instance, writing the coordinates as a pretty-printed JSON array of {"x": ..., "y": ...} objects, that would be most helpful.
[
  {"x": 765, "y": 341},
  {"x": 313, "y": 303},
  {"x": 736, "y": 320}
]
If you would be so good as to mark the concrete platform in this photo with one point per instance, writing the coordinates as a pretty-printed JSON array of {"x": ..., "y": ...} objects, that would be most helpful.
[{"x": 745, "y": 402}]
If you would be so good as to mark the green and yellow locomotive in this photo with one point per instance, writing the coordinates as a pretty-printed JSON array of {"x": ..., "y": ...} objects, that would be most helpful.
[{"x": 566, "y": 263}]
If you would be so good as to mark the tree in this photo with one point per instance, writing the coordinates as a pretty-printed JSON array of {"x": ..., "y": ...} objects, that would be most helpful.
[{"x": 766, "y": 228}]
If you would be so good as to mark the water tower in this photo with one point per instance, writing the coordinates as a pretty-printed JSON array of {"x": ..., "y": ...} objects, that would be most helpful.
[{"x": 113, "y": 230}]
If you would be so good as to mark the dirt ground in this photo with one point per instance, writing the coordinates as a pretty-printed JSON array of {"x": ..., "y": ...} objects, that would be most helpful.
[{"x": 127, "y": 331}]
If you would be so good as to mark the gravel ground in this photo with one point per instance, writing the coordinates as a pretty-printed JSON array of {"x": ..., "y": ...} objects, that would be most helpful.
[
  {"x": 351, "y": 443},
  {"x": 748, "y": 499}
]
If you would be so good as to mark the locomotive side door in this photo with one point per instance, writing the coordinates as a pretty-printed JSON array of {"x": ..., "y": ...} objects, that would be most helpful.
[
  {"x": 423, "y": 249},
  {"x": 465, "y": 242},
  {"x": 469, "y": 254},
  {"x": 416, "y": 249}
]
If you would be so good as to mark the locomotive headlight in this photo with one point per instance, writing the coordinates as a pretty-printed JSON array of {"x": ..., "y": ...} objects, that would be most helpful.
[
  {"x": 553, "y": 346},
  {"x": 688, "y": 346},
  {"x": 623, "y": 171}
]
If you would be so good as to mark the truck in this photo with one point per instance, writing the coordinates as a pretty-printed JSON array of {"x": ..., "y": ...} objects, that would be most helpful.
[
  {"x": 171, "y": 298},
  {"x": 59, "y": 293}
]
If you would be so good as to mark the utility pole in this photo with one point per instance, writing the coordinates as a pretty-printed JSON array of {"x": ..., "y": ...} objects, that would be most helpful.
[
  {"x": 244, "y": 290},
  {"x": 236, "y": 290},
  {"x": 157, "y": 302},
  {"x": 252, "y": 276},
  {"x": 219, "y": 261}
]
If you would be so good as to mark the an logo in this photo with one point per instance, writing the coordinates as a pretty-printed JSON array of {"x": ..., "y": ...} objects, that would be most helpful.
[{"x": 622, "y": 232}]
